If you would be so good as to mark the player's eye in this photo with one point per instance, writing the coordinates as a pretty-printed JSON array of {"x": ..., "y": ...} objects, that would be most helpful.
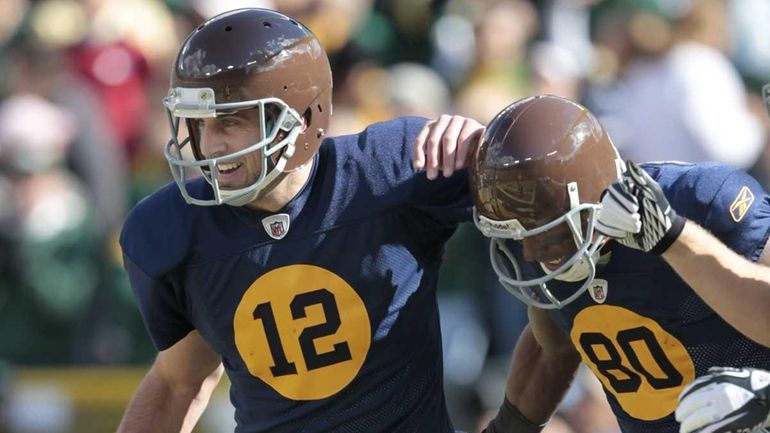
[{"x": 229, "y": 121}]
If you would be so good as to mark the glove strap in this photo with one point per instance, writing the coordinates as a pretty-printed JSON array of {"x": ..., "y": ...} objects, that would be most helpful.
[
  {"x": 677, "y": 225},
  {"x": 510, "y": 420}
]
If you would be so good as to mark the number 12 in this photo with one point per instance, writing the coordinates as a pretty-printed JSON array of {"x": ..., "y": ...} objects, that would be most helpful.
[{"x": 313, "y": 359}]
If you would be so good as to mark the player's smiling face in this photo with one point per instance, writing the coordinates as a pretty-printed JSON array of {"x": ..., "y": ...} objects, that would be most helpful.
[{"x": 227, "y": 134}]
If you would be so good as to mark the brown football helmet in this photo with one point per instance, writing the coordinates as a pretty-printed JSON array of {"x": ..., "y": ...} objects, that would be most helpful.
[
  {"x": 249, "y": 59},
  {"x": 538, "y": 174}
]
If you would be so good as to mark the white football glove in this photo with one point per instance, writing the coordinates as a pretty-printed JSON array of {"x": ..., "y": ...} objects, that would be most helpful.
[
  {"x": 727, "y": 400},
  {"x": 637, "y": 214}
]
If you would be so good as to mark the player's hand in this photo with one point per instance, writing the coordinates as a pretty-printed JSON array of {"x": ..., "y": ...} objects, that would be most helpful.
[
  {"x": 725, "y": 400},
  {"x": 637, "y": 214},
  {"x": 443, "y": 144}
]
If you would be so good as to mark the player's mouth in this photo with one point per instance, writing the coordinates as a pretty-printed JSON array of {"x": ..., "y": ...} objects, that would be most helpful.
[
  {"x": 226, "y": 172},
  {"x": 553, "y": 265}
]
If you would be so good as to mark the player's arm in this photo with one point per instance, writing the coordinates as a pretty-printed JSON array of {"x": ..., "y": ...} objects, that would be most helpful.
[
  {"x": 542, "y": 369},
  {"x": 176, "y": 390},
  {"x": 733, "y": 286},
  {"x": 637, "y": 214}
]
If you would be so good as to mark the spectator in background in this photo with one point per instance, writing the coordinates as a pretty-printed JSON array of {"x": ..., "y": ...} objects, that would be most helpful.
[
  {"x": 67, "y": 181},
  {"x": 499, "y": 74},
  {"x": 554, "y": 71},
  {"x": 676, "y": 95},
  {"x": 52, "y": 230}
]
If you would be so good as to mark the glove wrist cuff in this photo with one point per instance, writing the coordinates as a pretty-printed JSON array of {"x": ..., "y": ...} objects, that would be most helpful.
[
  {"x": 510, "y": 419},
  {"x": 677, "y": 225}
]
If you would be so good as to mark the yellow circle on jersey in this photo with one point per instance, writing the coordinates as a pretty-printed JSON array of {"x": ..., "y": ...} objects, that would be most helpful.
[
  {"x": 303, "y": 330},
  {"x": 636, "y": 360}
]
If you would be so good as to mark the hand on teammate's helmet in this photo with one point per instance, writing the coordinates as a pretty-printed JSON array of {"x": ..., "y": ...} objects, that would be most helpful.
[
  {"x": 637, "y": 214},
  {"x": 725, "y": 400}
]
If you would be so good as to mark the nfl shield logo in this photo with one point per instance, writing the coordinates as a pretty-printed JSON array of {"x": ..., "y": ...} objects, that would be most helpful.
[
  {"x": 276, "y": 225},
  {"x": 598, "y": 290},
  {"x": 277, "y": 230}
]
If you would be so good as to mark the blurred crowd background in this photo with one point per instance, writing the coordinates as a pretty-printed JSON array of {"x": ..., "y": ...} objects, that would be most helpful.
[{"x": 82, "y": 131}]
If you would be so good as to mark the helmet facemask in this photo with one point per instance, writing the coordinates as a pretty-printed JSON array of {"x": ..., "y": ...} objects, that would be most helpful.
[
  {"x": 580, "y": 266},
  {"x": 279, "y": 125}
]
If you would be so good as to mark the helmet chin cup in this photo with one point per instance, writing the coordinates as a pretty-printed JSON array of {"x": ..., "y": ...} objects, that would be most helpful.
[{"x": 199, "y": 104}]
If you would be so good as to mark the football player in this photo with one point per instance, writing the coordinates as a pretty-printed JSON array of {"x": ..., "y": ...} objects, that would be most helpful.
[
  {"x": 302, "y": 266},
  {"x": 615, "y": 278}
]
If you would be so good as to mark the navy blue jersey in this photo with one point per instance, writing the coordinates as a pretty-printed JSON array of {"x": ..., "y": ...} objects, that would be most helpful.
[
  {"x": 332, "y": 328},
  {"x": 644, "y": 332}
]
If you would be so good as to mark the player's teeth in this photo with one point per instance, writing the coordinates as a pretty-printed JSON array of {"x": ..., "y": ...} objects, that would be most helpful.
[{"x": 227, "y": 167}]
